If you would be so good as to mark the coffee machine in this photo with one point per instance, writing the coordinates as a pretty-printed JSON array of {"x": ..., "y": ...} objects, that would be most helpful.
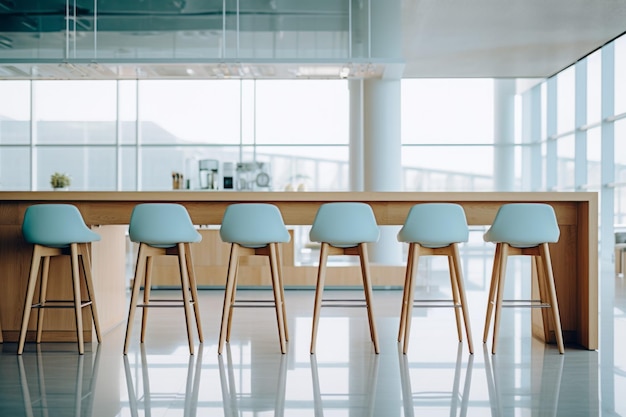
[{"x": 208, "y": 170}]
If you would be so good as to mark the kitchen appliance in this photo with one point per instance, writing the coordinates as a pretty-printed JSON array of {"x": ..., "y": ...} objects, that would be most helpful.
[{"x": 208, "y": 170}]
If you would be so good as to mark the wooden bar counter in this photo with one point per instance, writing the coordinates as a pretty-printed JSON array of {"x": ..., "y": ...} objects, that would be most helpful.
[{"x": 574, "y": 257}]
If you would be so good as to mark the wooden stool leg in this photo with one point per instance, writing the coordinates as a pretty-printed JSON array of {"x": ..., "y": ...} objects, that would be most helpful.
[
  {"x": 43, "y": 295},
  {"x": 140, "y": 269},
  {"x": 369, "y": 299},
  {"x": 461, "y": 288},
  {"x": 147, "y": 286},
  {"x": 405, "y": 295},
  {"x": 278, "y": 301},
  {"x": 84, "y": 248},
  {"x": 194, "y": 290},
  {"x": 184, "y": 282},
  {"x": 279, "y": 263},
  {"x": 501, "y": 275},
  {"x": 493, "y": 286},
  {"x": 456, "y": 298},
  {"x": 319, "y": 290},
  {"x": 30, "y": 292},
  {"x": 230, "y": 282},
  {"x": 547, "y": 263},
  {"x": 77, "y": 297},
  {"x": 410, "y": 290}
]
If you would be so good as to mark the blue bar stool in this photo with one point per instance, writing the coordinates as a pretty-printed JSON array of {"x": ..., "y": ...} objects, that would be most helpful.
[
  {"x": 254, "y": 229},
  {"x": 434, "y": 229},
  {"x": 55, "y": 230},
  {"x": 524, "y": 229},
  {"x": 163, "y": 229},
  {"x": 344, "y": 228}
]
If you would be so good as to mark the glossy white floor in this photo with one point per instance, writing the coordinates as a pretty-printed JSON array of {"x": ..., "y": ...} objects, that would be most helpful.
[{"x": 344, "y": 378}]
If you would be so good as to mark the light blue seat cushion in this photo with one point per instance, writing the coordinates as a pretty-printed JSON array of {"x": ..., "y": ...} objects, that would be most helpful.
[
  {"x": 253, "y": 225},
  {"x": 162, "y": 225},
  {"x": 435, "y": 225},
  {"x": 344, "y": 224},
  {"x": 524, "y": 225},
  {"x": 56, "y": 225}
]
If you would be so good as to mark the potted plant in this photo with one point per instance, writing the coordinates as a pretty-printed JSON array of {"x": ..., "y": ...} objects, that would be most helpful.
[{"x": 60, "y": 181}]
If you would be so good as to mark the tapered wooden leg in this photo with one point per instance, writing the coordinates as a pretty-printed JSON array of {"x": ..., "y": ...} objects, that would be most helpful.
[
  {"x": 194, "y": 289},
  {"x": 405, "y": 292},
  {"x": 186, "y": 297},
  {"x": 147, "y": 286},
  {"x": 319, "y": 290},
  {"x": 463, "y": 299},
  {"x": 279, "y": 263},
  {"x": 408, "y": 311},
  {"x": 86, "y": 262},
  {"x": 77, "y": 297},
  {"x": 140, "y": 269},
  {"x": 43, "y": 295},
  {"x": 544, "y": 296},
  {"x": 456, "y": 299},
  {"x": 500, "y": 294},
  {"x": 230, "y": 282},
  {"x": 369, "y": 299},
  {"x": 493, "y": 286},
  {"x": 276, "y": 285},
  {"x": 30, "y": 292},
  {"x": 233, "y": 297},
  {"x": 547, "y": 262}
]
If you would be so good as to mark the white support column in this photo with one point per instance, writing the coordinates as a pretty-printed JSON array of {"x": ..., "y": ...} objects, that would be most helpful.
[
  {"x": 504, "y": 135},
  {"x": 531, "y": 137},
  {"x": 551, "y": 127},
  {"x": 356, "y": 135},
  {"x": 382, "y": 155},
  {"x": 580, "y": 119}
]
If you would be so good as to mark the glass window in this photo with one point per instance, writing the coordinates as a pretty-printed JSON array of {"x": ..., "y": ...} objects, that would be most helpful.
[
  {"x": 189, "y": 111},
  {"x": 14, "y": 112},
  {"x": 594, "y": 90},
  {"x": 565, "y": 147},
  {"x": 620, "y": 80},
  {"x": 447, "y": 111},
  {"x": 448, "y": 168},
  {"x": 302, "y": 112},
  {"x": 565, "y": 91},
  {"x": 90, "y": 168},
  {"x": 127, "y": 91},
  {"x": 75, "y": 112},
  {"x": 14, "y": 173},
  {"x": 594, "y": 152}
]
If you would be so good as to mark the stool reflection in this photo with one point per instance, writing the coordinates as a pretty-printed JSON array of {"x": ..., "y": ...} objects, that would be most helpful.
[
  {"x": 162, "y": 399},
  {"x": 72, "y": 384},
  {"x": 432, "y": 398},
  {"x": 336, "y": 397},
  {"x": 246, "y": 389}
]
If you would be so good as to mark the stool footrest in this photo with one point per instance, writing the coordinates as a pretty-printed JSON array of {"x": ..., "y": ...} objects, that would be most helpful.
[
  {"x": 253, "y": 303},
  {"x": 172, "y": 303},
  {"x": 344, "y": 303},
  {"x": 66, "y": 304},
  {"x": 525, "y": 303},
  {"x": 436, "y": 303}
]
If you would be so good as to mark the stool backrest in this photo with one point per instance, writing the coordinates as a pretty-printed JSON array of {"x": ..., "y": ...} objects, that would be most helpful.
[
  {"x": 524, "y": 225},
  {"x": 162, "y": 225},
  {"x": 56, "y": 225},
  {"x": 344, "y": 224},
  {"x": 253, "y": 225},
  {"x": 435, "y": 225}
]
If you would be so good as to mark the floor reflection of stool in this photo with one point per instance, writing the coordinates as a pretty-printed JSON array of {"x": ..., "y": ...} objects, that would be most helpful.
[
  {"x": 191, "y": 388},
  {"x": 429, "y": 398},
  {"x": 76, "y": 396}
]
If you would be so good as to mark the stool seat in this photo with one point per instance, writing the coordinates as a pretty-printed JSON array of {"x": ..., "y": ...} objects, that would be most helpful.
[
  {"x": 254, "y": 229},
  {"x": 163, "y": 229},
  {"x": 524, "y": 229},
  {"x": 433, "y": 229},
  {"x": 344, "y": 228},
  {"x": 55, "y": 230}
]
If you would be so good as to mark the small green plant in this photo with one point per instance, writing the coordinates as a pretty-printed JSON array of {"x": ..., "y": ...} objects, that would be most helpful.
[{"x": 58, "y": 180}]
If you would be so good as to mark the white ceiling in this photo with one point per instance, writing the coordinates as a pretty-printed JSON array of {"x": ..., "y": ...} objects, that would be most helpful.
[
  {"x": 440, "y": 38},
  {"x": 505, "y": 38}
]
